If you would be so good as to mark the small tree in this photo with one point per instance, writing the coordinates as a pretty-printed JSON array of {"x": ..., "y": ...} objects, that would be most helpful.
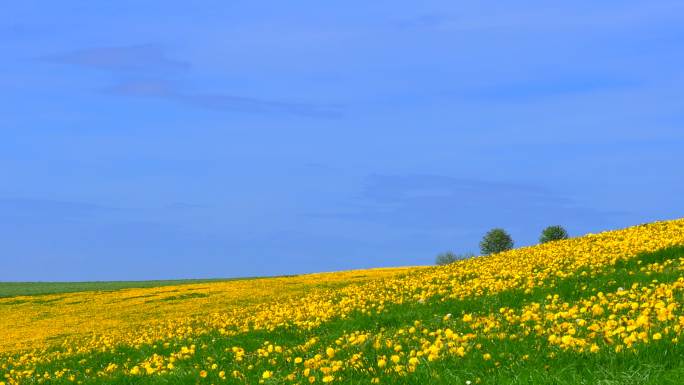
[
  {"x": 553, "y": 233},
  {"x": 450, "y": 257},
  {"x": 496, "y": 241},
  {"x": 446, "y": 258}
]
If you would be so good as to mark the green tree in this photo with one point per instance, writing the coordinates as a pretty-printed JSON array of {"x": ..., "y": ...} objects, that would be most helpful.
[
  {"x": 553, "y": 233},
  {"x": 496, "y": 241},
  {"x": 451, "y": 257},
  {"x": 446, "y": 258}
]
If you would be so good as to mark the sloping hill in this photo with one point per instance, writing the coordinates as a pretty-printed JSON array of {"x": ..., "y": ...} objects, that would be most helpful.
[{"x": 599, "y": 309}]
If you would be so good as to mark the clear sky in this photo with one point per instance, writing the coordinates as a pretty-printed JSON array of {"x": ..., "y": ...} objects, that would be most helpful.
[{"x": 144, "y": 140}]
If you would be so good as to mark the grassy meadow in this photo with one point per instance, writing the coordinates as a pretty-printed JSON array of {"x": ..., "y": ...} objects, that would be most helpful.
[
  {"x": 599, "y": 309},
  {"x": 13, "y": 289}
]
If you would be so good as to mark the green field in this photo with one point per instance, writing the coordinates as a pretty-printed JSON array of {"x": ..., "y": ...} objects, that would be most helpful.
[
  {"x": 12, "y": 289},
  {"x": 604, "y": 309},
  {"x": 519, "y": 362}
]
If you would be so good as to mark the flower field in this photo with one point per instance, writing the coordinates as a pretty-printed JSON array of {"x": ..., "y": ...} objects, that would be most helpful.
[{"x": 599, "y": 309}]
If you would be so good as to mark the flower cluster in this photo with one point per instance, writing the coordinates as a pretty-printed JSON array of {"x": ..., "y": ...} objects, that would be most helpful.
[{"x": 556, "y": 298}]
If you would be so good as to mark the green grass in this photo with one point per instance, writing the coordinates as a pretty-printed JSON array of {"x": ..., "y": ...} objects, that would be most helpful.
[
  {"x": 13, "y": 289},
  {"x": 656, "y": 363}
]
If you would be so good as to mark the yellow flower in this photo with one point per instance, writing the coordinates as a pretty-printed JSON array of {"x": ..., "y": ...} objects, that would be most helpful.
[
  {"x": 597, "y": 310},
  {"x": 612, "y": 321}
]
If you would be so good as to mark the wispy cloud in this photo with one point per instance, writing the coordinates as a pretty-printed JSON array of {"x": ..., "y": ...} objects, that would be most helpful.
[
  {"x": 23, "y": 210},
  {"x": 19, "y": 31},
  {"x": 35, "y": 210},
  {"x": 185, "y": 206},
  {"x": 143, "y": 57},
  {"x": 151, "y": 60},
  {"x": 429, "y": 20},
  {"x": 223, "y": 102},
  {"x": 554, "y": 17},
  {"x": 536, "y": 88},
  {"x": 434, "y": 201}
]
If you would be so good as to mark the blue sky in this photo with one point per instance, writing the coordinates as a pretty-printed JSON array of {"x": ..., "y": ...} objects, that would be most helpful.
[{"x": 144, "y": 140}]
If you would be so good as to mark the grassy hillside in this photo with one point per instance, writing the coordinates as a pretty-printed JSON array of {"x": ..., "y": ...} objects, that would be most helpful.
[
  {"x": 28, "y": 322},
  {"x": 599, "y": 309}
]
